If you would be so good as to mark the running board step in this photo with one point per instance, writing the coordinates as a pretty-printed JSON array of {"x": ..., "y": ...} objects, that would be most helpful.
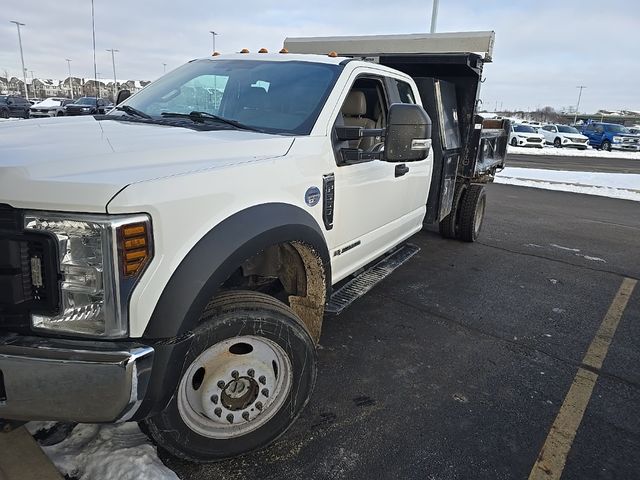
[{"x": 365, "y": 281}]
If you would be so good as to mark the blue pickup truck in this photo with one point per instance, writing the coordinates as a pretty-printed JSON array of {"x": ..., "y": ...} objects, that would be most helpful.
[{"x": 611, "y": 136}]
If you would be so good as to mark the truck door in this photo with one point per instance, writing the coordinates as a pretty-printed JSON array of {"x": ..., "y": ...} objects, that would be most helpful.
[{"x": 378, "y": 204}]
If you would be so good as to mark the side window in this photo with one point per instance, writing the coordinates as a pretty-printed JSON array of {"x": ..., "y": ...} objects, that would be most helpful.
[
  {"x": 405, "y": 92},
  {"x": 599, "y": 129},
  {"x": 366, "y": 106}
]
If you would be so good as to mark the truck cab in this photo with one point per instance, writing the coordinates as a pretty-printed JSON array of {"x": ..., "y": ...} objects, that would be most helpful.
[{"x": 172, "y": 262}]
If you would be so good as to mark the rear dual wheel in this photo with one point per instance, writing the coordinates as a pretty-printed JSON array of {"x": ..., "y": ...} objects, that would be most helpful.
[
  {"x": 249, "y": 373},
  {"x": 465, "y": 220}
]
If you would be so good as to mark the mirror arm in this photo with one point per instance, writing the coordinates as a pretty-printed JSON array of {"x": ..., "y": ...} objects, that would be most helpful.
[
  {"x": 352, "y": 156},
  {"x": 356, "y": 133}
]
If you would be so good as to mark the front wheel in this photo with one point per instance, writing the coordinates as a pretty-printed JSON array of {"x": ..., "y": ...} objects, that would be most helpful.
[
  {"x": 557, "y": 143},
  {"x": 26, "y": 114},
  {"x": 249, "y": 373},
  {"x": 514, "y": 142},
  {"x": 606, "y": 145}
]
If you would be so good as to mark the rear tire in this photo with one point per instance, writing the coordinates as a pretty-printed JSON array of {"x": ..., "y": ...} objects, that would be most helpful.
[
  {"x": 4, "y": 114},
  {"x": 448, "y": 226},
  {"x": 249, "y": 373},
  {"x": 472, "y": 213}
]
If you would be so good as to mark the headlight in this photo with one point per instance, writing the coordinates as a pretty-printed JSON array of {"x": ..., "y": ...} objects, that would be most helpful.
[
  {"x": 101, "y": 259},
  {"x": 617, "y": 139}
]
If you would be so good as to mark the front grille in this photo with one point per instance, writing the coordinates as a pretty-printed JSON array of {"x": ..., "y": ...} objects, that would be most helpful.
[{"x": 534, "y": 140}]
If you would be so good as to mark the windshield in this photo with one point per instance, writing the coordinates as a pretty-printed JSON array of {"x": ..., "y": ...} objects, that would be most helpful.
[
  {"x": 616, "y": 129},
  {"x": 523, "y": 129},
  {"x": 275, "y": 97},
  {"x": 567, "y": 129}
]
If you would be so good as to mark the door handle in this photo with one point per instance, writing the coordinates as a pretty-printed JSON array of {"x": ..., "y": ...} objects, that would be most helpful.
[{"x": 401, "y": 170}]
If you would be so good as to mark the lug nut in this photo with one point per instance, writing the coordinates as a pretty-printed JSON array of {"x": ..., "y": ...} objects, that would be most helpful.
[
  {"x": 259, "y": 405},
  {"x": 251, "y": 372},
  {"x": 221, "y": 384},
  {"x": 245, "y": 415},
  {"x": 214, "y": 398},
  {"x": 218, "y": 412},
  {"x": 262, "y": 379},
  {"x": 265, "y": 392},
  {"x": 230, "y": 418},
  {"x": 235, "y": 374}
]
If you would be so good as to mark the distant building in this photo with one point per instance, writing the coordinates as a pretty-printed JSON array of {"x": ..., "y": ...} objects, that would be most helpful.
[{"x": 4, "y": 86}]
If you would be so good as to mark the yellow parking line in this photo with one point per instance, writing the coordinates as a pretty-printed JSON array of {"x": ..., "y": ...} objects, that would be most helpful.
[{"x": 553, "y": 454}]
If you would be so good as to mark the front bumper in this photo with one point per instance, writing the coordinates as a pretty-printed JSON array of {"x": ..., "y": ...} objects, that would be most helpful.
[
  {"x": 35, "y": 114},
  {"x": 78, "y": 381},
  {"x": 625, "y": 147}
]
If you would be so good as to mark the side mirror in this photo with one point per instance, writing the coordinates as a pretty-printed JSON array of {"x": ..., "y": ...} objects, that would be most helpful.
[
  {"x": 408, "y": 137},
  {"x": 122, "y": 96}
]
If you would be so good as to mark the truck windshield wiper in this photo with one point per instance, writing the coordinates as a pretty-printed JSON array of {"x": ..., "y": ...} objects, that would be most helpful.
[
  {"x": 133, "y": 111},
  {"x": 202, "y": 116}
]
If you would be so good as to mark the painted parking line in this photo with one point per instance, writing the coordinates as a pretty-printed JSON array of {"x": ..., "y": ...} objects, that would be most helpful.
[{"x": 553, "y": 454}]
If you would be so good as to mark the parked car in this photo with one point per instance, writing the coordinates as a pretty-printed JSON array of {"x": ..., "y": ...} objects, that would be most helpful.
[
  {"x": 611, "y": 136},
  {"x": 51, "y": 107},
  {"x": 525, "y": 136},
  {"x": 635, "y": 129},
  {"x": 87, "y": 106},
  {"x": 14, "y": 106},
  {"x": 34, "y": 100},
  {"x": 564, "y": 136}
]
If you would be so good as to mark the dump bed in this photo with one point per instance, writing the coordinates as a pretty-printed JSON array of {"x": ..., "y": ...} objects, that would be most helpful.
[{"x": 447, "y": 68}]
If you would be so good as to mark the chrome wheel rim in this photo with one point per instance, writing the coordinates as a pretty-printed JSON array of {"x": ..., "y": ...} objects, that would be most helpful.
[
  {"x": 479, "y": 215},
  {"x": 234, "y": 387}
]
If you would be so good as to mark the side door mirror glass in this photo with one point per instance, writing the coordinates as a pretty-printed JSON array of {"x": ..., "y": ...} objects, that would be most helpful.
[
  {"x": 122, "y": 96},
  {"x": 408, "y": 135}
]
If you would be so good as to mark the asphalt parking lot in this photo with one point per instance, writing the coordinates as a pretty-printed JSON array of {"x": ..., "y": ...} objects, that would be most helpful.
[
  {"x": 457, "y": 365},
  {"x": 579, "y": 164}
]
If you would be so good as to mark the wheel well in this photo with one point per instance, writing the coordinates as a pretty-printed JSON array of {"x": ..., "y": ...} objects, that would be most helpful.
[{"x": 292, "y": 272}]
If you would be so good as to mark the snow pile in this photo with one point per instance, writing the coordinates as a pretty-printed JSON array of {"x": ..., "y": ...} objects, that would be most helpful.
[
  {"x": 615, "y": 185},
  {"x": 572, "y": 152},
  {"x": 107, "y": 452}
]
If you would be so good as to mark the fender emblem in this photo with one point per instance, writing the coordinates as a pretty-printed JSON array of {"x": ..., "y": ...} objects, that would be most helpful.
[{"x": 312, "y": 196}]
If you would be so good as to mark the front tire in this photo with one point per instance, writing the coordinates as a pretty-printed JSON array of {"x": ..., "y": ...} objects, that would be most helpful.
[
  {"x": 557, "y": 143},
  {"x": 249, "y": 373},
  {"x": 514, "y": 142},
  {"x": 606, "y": 145},
  {"x": 472, "y": 213}
]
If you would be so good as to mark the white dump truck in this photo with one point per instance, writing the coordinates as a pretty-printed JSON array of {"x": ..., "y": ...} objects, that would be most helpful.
[{"x": 172, "y": 262}]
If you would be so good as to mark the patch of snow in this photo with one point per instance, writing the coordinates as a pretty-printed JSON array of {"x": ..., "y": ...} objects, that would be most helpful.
[
  {"x": 572, "y": 152},
  {"x": 615, "y": 185},
  {"x": 593, "y": 259},
  {"x": 108, "y": 452},
  {"x": 558, "y": 310},
  {"x": 564, "y": 248}
]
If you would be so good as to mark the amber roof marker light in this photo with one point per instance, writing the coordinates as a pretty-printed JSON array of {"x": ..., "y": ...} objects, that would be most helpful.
[
  {"x": 244, "y": 50},
  {"x": 263, "y": 50},
  {"x": 284, "y": 50},
  {"x": 215, "y": 54},
  {"x": 332, "y": 54}
]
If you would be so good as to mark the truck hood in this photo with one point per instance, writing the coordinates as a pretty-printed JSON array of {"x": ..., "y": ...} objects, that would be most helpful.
[{"x": 79, "y": 164}]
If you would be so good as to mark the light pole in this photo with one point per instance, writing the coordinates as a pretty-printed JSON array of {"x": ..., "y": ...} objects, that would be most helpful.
[
  {"x": 24, "y": 71},
  {"x": 575, "y": 118},
  {"x": 98, "y": 86},
  {"x": 213, "y": 35},
  {"x": 68, "y": 60},
  {"x": 434, "y": 15},
  {"x": 113, "y": 61}
]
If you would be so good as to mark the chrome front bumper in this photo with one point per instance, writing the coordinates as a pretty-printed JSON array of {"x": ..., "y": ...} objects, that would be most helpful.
[{"x": 76, "y": 381}]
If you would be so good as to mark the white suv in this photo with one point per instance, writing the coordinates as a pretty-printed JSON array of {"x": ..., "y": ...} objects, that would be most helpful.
[{"x": 564, "y": 136}]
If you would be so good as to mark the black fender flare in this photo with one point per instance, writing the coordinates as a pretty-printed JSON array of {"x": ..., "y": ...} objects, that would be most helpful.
[{"x": 216, "y": 256}]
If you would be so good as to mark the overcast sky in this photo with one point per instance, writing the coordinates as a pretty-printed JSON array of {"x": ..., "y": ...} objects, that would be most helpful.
[{"x": 543, "y": 50}]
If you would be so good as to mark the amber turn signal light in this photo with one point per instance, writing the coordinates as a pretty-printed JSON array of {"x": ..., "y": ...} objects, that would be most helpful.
[{"x": 133, "y": 245}]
